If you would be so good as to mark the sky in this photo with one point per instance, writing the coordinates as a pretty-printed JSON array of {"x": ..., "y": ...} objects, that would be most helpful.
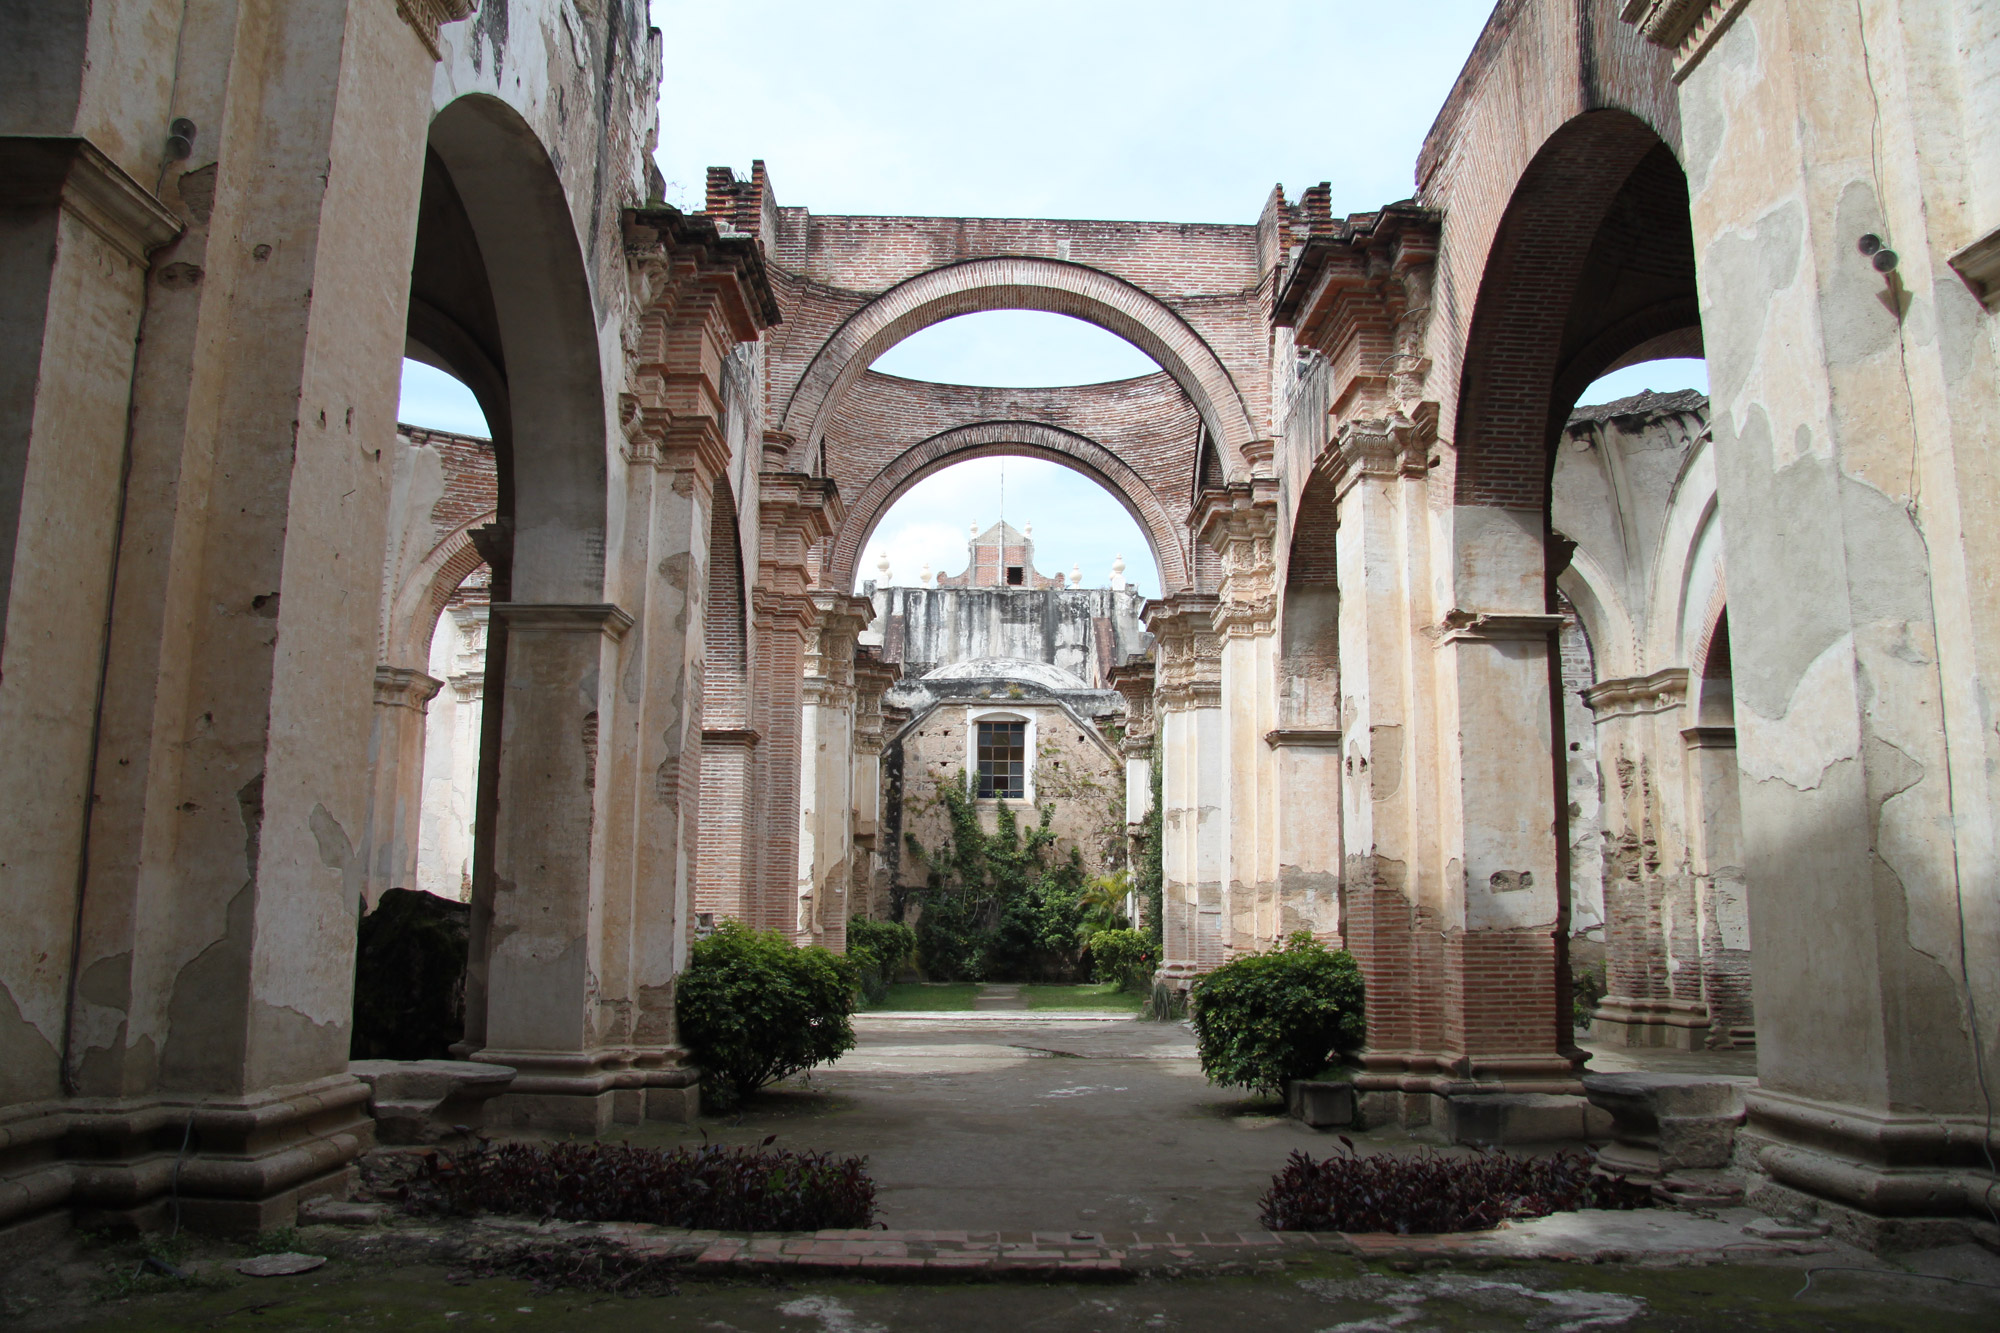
[{"x": 1163, "y": 110}]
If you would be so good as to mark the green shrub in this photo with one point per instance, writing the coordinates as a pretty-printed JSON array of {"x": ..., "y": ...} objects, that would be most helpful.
[
  {"x": 1585, "y": 993},
  {"x": 1125, "y": 957},
  {"x": 1268, "y": 1018},
  {"x": 754, "y": 1009},
  {"x": 993, "y": 906},
  {"x": 878, "y": 950}
]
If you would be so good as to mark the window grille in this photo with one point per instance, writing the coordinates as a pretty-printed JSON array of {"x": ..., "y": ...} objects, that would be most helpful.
[{"x": 1003, "y": 760}]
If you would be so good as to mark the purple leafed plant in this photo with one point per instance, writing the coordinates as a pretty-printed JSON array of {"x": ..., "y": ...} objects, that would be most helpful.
[
  {"x": 708, "y": 1188},
  {"x": 1430, "y": 1192}
]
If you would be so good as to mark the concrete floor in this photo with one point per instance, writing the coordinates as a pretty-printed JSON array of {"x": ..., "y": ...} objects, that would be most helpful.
[
  {"x": 1014, "y": 1121},
  {"x": 1010, "y": 1121}
]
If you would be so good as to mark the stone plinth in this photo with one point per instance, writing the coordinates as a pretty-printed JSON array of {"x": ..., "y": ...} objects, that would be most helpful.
[
  {"x": 1663, "y": 1123},
  {"x": 1507, "y": 1119},
  {"x": 1321, "y": 1103},
  {"x": 424, "y": 1101}
]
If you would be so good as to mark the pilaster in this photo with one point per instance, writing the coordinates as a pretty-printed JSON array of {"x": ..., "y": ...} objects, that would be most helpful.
[
  {"x": 826, "y": 769},
  {"x": 396, "y": 740},
  {"x": 1240, "y": 523},
  {"x": 1188, "y": 698}
]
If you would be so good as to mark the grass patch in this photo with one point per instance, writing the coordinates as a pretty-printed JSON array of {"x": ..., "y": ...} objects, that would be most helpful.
[
  {"x": 927, "y": 995},
  {"x": 1102, "y": 996}
]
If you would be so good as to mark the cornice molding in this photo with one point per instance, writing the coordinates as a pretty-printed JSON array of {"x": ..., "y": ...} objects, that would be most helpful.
[
  {"x": 1688, "y": 28},
  {"x": 603, "y": 618},
  {"x": 36, "y": 170}
]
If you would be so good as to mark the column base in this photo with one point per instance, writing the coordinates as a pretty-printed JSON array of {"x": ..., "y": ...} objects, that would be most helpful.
[
  {"x": 589, "y": 1093},
  {"x": 1678, "y": 1025},
  {"x": 235, "y": 1165},
  {"x": 1521, "y": 1099},
  {"x": 1882, "y": 1179}
]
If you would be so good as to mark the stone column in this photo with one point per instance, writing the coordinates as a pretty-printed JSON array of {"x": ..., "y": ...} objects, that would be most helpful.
[
  {"x": 795, "y": 513},
  {"x": 826, "y": 769},
  {"x": 1653, "y": 989},
  {"x": 1854, "y": 413},
  {"x": 1388, "y": 782},
  {"x": 1306, "y": 748},
  {"x": 1240, "y": 522},
  {"x": 396, "y": 747},
  {"x": 1135, "y": 681},
  {"x": 1722, "y": 910},
  {"x": 1189, "y": 702},
  {"x": 872, "y": 678},
  {"x": 197, "y": 522},
  {"x": 543, "y": 1010}
]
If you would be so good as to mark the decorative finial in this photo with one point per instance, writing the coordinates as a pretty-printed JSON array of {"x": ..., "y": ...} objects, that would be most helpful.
[
  {"x": 882, "y": 568},
  {"x": 924, "y": 577},
  {"x": 1028, "y": 531},
  {"x": 973, "y": 529},
  {"x": 1076, "y": 575},
  {"x": 1118, "y": 571}
]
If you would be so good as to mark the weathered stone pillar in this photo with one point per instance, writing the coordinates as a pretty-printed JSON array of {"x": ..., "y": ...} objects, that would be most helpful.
[
  {"x": 795, "y": 513},
  {"x": 826, "y": 770},
  {"x": 396, "y": 754},
  {"x": 1653, "y": 994},
  {"x": 1135, "y": 681},
  {"x": 1388, "y": 783},
  {"x": 1854, "y": 410},
  {"x": 1189, "y": 702},
  {"x": 1240, "y": 522},
  {"x": 872, "y": 678},
  {"x": 544, "y": 1014},
  {"x": 191, "y": 526},
  {"x": 1722, "y": 910},
  {"x": 1306, "y": 748}
]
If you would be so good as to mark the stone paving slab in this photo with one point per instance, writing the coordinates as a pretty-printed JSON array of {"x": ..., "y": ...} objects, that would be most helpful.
[
  {"x": 1019, "y": 1017},
  {"x": 1657, "y": 1236}
]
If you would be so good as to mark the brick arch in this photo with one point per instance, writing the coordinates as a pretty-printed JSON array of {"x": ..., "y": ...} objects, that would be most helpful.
[
  {"x": 421, "y": 600},
  {"x": 1528, "y": 350},
  {"x": 1018, "y": 283},
  {"x": 1028, "y": 439}
]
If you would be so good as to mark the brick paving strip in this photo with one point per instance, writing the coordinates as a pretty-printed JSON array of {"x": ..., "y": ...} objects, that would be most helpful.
[{"x": 1655, "y": 1237}]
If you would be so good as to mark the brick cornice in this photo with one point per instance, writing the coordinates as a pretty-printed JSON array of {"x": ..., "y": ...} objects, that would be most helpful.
[
  {"x": 698, "y": 293},
  {"x": 1360, "y": 295}
]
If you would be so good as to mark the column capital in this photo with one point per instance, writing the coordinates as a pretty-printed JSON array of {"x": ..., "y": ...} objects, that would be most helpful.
[
  {"x": 1240, "y": 523},
  {"x": 1189, "y": 652},
  {"x": 405, "y": 687},
  {"x": 1135, "y": 680},
  {"x": 1382, "y": 447},
  {"x": 603, "y": 618}
]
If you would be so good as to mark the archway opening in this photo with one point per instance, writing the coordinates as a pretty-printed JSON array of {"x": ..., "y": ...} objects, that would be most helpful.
[
  {"x": 1081, "y": 532},
  {"x": 1015, "y": 349}
]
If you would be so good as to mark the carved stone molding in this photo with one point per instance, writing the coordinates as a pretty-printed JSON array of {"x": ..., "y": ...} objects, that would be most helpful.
[
  {"x": 405, "y": 687},
  {"x": 1240, "y": 523},
  {"x": 564, "y": 617},
  {"x": 1481, "y": 627},
  {"x": 1627, "y": 696},
  {"x": 425, "y": 17},
  {"x": 37, "y": 170},
  {"x": 1382, "y": 447},
  {"x": 1688, "y": 28},
  {"x": 1189, "y": 652},
  {"x": 1305, "y": 738}
]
